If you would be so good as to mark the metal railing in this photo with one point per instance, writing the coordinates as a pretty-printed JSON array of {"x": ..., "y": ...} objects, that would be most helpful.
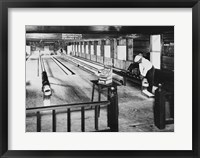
[{"x": 112, "y": 112}]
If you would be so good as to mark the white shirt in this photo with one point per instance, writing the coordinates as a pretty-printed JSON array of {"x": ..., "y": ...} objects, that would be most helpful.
[{"x": 145, "y": 66}]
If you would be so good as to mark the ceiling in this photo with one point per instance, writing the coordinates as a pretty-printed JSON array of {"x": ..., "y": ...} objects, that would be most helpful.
[
  {"x": 53, "y": 33},
  {"x": 98, "y": 29}
]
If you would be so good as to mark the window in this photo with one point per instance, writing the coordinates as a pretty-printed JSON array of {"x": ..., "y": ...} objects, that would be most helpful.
[
  {"x": 107, "y": 51},
  {"x": 155, "y": 54},
  {"x": 92, "y": 49},
  {"x": 121, "y": 52},
  {"x": 98, "y": 50}
]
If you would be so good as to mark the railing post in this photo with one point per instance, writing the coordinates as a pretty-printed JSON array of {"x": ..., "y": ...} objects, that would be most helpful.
[
  {"x": 38, "y": 122},
  {"x": 96, "y": 121},
  {"x": 54, "y": 120},
  {"x": 82, "y": 119},
  {"x": 113, "y": 110},
  {"x": 38, "y": 69},
  {"x": 159, "y": 108},
  {"x": 108, "y": 108},
  {"x": 68, "y": 120}
]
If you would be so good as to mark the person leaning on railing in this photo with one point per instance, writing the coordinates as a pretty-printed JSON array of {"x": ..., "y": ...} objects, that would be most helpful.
[{"x": 146, "y": 70}]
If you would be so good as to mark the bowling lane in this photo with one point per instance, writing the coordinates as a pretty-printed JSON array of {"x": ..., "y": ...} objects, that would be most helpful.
[
  {"x": 68, "y": 88},
  {"x": 34, "y": 97}
]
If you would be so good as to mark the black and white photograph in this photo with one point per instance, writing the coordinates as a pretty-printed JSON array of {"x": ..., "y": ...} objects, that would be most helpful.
[{"x": 99, "y": 78}]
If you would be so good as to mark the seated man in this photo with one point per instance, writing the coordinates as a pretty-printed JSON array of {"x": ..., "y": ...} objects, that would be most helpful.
[{"x": 146, "y": 70}]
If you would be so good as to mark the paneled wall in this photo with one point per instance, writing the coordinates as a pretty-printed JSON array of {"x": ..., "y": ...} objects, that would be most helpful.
[
  {"x": 141, "y": 44},
  {"x": 167, "y": 59},
  {"x": 120, "y": 52}
]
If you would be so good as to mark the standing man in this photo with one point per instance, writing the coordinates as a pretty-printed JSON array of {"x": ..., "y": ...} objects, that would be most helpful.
[{"x": 146, "y": 70}]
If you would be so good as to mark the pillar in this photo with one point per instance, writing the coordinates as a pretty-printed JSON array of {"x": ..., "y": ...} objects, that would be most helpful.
[
  {"x": 113, "y": 52},
  {"x": 102, "y": 42},
  {"x": 129, "y": 49}
]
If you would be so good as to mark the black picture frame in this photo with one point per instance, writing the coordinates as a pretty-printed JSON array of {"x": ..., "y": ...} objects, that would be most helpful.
[{"x": 6, "y": 4}]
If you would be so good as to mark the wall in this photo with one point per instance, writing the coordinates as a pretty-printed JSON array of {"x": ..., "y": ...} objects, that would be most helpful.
[
  {"x": 120, "y": 53},
  {"x": 28, "y": 50},
  {"x": 167, "y": 57}
]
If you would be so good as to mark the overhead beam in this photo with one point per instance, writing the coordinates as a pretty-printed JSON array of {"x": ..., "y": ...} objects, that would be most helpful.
[{"x": 98, "y": 29}]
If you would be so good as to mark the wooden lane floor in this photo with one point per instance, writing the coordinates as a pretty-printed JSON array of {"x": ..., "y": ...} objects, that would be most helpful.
[
  {"x": 34, "y": 96},
  {"x": 135, "y": 110},
  {"x": 66, "y": 88}
]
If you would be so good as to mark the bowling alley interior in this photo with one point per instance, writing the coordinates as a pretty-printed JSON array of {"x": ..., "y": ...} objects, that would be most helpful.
[{"x": 99, "y": 78}]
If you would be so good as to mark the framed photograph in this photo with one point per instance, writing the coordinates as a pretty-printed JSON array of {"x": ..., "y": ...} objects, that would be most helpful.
[{"x": 99, "y": 79}]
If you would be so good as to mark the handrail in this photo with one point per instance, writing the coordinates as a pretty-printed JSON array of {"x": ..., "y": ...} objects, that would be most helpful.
[
  {"x": 112, "y": 112},
  {"x": 68, "y": 106}
]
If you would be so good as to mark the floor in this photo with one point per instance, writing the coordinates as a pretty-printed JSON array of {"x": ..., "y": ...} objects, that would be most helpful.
[{"x": 135, "y": 109}]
